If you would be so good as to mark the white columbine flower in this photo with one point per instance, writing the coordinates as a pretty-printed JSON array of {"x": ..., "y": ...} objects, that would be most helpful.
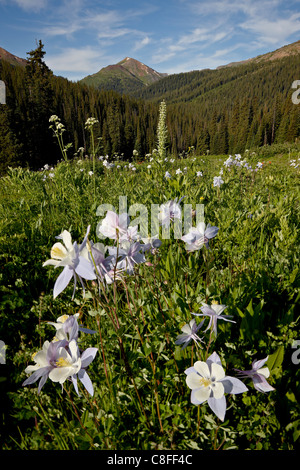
[
  {"x": 218, "y": 181},
  {"x": 208, "y": 382},
  {"x": 113, "y": 226},
  {"x": 199, "y": 236},
  {"x": 170, "y": 211},
  {"x": 69, "y": 256}
]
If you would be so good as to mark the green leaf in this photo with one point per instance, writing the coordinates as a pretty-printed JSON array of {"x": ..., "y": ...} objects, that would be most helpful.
[{"x": 275, "y": 359}]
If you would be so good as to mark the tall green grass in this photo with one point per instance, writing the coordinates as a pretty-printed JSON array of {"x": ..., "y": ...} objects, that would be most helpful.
[{"x": 141, "y": 399}]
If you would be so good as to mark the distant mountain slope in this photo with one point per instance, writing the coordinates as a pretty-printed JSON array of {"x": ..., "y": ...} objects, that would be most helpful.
[
  {"x": 285, "y": 51},
  {"x": 127, "y": 76},
  {"x": 11, "y": 58}
]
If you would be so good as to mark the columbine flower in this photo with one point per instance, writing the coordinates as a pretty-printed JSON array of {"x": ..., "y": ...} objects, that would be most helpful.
[
  {"x": 69, "y": 257},
  {"x": 131, "y": 234},
  {"x": 60, "y": 361},
  {"x": 113, "y": 226},
  {"x": 54, "y": 362},
  {"x": 178, "y": 171},
  {"x": 217, "y": 181},
  {"x": 86, "y": 358},
  {"x": 199, "y": 236},
  {"x": 104, "y": 264},
  {"x": 170, "y": 211},
  {"x": 189, "y": 333},
  {"x": 258, "y": 375},
  {"x": 208, "y": 382},
  {"x": 151, "y": 243},
  {"x": 67, "y": 328},
  {"x": 128, "y": 255},
  {"x": 214, "y": 312},
  {"x": 168, "y": 175}
]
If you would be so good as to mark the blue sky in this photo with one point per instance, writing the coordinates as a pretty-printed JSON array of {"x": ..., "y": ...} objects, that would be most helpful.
[{"x": 172, "y": 36}]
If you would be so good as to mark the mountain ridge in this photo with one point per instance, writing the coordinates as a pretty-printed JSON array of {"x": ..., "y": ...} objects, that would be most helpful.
[
  {"x": 127, "y": 76},
  {"x": 11, "y": 58}
]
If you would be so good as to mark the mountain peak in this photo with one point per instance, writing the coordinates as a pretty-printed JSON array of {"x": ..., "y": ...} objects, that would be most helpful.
[
  {"x": 126, "y": 76},
  {"x": 11, "y": 58}
]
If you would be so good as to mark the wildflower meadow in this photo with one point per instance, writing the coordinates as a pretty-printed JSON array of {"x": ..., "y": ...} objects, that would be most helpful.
[{"x": 151, "y": 304}]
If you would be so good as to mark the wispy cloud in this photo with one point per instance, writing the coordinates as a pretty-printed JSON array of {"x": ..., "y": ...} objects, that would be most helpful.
[
  {"x": 78, "y": 61},
  {"x": 273, "y": 31},
  {"x": 142, "y": 43},
  {"x": 35, "y": 5}
]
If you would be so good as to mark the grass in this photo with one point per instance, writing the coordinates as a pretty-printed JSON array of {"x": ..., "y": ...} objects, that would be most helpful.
[{"x": 138, "y": 373}]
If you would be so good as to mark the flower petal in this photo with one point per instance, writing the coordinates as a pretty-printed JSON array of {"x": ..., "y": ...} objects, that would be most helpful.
[
  {"x": 86, "y": 381},
  {"x": 233, "y": 385},
  {"x": 202, "y": 369},
  {"x": 62, "y": 281},
  {"x": 211, "y": 232},
  {"x": 217, "y": 371},
  {"x": 193, "y": 381},
  {"x": 88, "y": 356},
  {"x": 217, "y": 389},
  {"x": 218, "y": 406},
  {"x": 202, "y": 394},
  {"x": 85, "y": 269}
]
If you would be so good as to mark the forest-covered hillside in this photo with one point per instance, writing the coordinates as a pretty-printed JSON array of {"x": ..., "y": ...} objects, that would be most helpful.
[{"x": 218, "y": 111}]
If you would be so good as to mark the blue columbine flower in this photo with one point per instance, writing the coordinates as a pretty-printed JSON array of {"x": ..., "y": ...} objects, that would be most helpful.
[
  {"x": 215, "y": 313},
  {"x": 208, "y": 382},
  {"x": 258, "y": 374},
  {"x": 189, "y": 333},
  {"x": 199, "y": 236},
  {"x": 69, "y": 256}
]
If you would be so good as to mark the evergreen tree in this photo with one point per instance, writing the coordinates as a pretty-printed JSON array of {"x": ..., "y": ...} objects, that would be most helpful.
[
  {"x": 39, "y": 139},
  {"x": 10, "y": 149}
]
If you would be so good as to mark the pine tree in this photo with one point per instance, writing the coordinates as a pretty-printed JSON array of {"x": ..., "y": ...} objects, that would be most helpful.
[{"x": 40, "y": 107}]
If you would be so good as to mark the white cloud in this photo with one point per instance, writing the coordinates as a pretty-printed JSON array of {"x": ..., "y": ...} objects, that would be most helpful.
[
  {"x": 81, "y": 61},
  {"x": 31, "y": 4},
  {"x": 142, "y": 43},
  {"x": 273, "y": 31}
]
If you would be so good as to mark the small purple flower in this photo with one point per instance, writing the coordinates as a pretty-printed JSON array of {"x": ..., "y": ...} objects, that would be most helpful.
[
  {"x": 104, "y": 264},
  {"x": 189, "y": 333},
  {"x": 258, "y": 374},
  {"x": 169, "y": 211},
  {"x": 199, "y": 236},
  {"x": 214, "y": 312},
  {"x": 128, "y": 256}
]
